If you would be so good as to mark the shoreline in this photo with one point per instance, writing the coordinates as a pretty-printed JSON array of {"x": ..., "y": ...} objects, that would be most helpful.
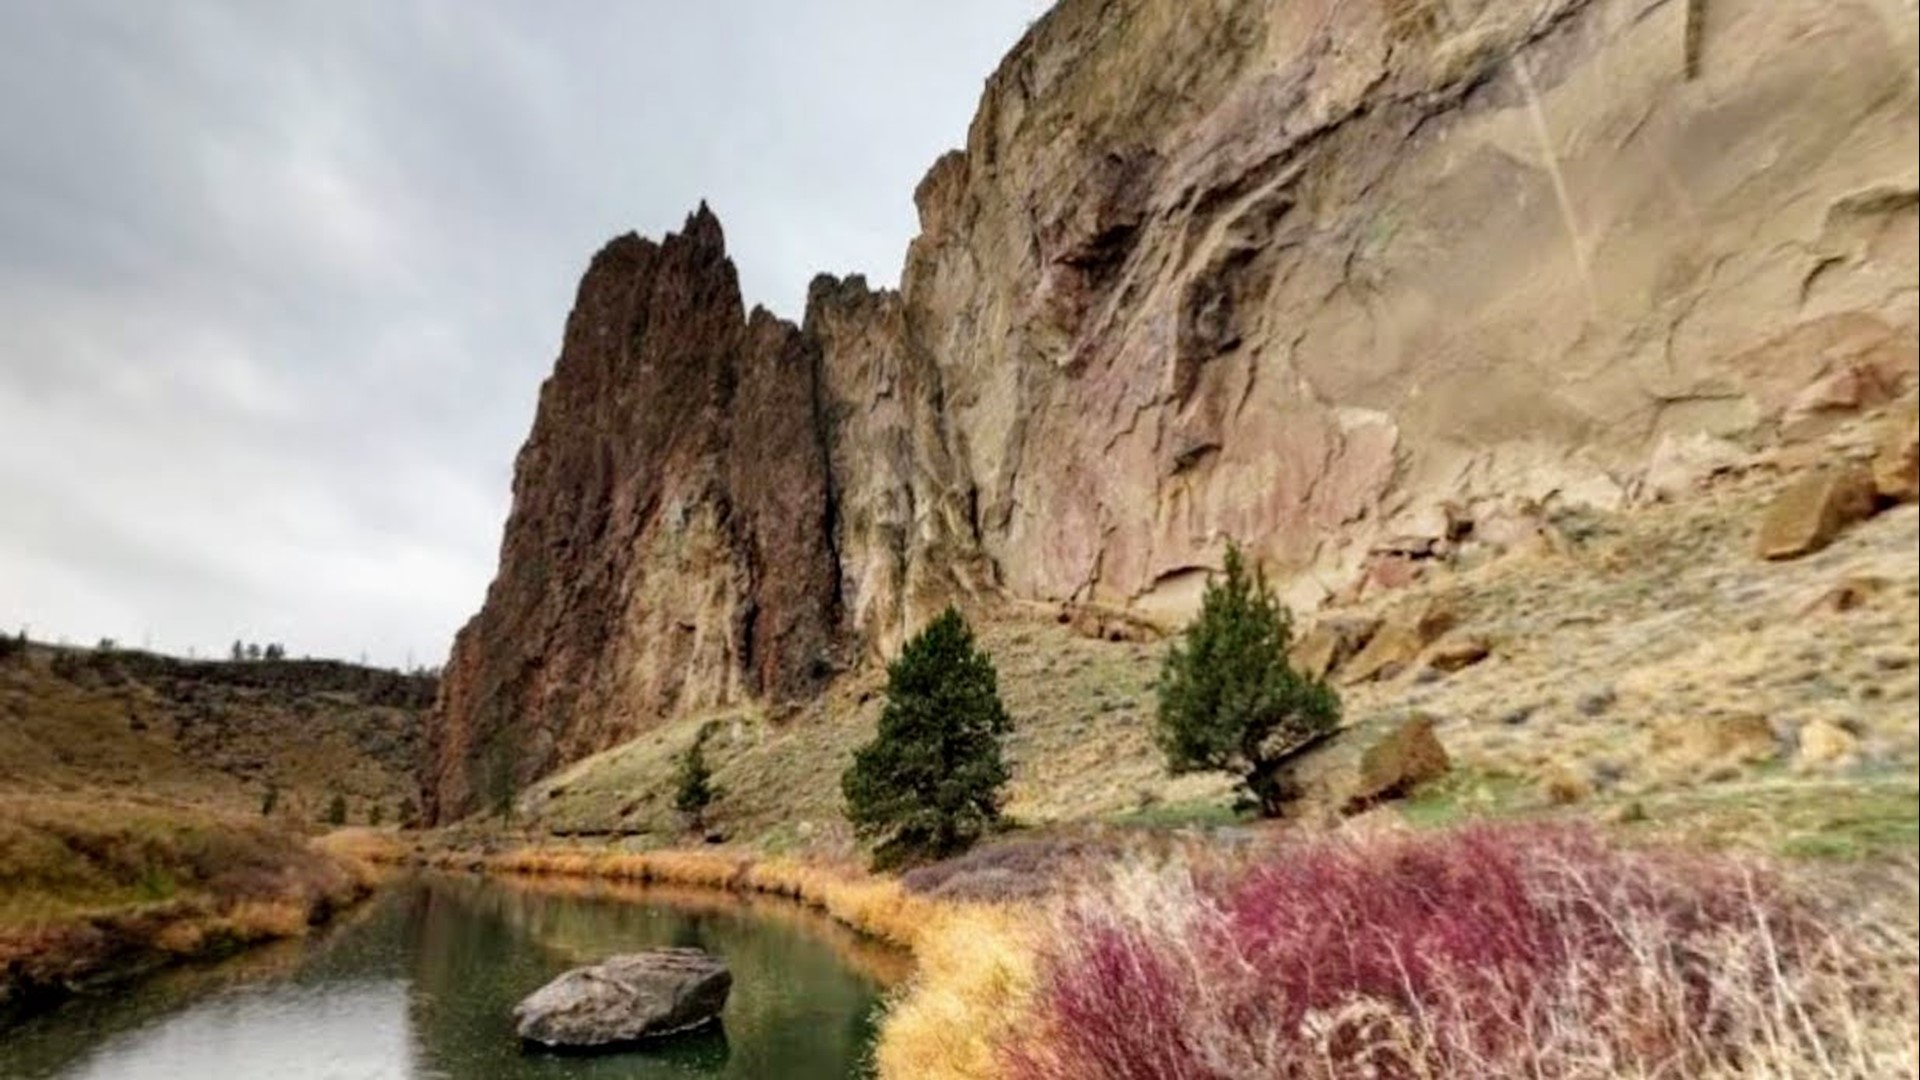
[{"x": 43, "y": 966}]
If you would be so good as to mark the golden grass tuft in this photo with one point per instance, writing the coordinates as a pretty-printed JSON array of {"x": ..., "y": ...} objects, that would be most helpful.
[{"x": 972, "y": 991}]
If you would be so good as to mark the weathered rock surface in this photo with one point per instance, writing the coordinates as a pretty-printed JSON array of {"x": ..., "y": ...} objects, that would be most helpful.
[
  {"x": 1365, "y": 765},
  {"x": 1812, "y": 511},
  {"x": 670, "y": 546},
  {"x": 1331, "y": 642},
  {"x": 1401, "y": 639},
  {"x": 625, "y": 999},
  {"x": 1896, "y": 466},
  {"x": 1324, "y": 278}
]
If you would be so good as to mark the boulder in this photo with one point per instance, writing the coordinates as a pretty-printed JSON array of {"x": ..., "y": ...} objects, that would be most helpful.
[
  {"x": 1372, "y": 761},
  {"x": 625, "y": 999},
  {"x": 1404, "y": 758},
  {"x": 1457, "y": 652},
  {"x": 1809, "y": 513},
  {"x": 1823, "y": 742},
  {"x": 1330, "y": 643},
  {"x": 1835, "y": 396},
  {"x": 1896, "y": 465},
  {"x": 1399, "y": 642}
]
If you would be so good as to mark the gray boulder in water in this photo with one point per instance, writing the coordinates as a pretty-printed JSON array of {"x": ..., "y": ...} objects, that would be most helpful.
[{"x": 626, "y": 998}]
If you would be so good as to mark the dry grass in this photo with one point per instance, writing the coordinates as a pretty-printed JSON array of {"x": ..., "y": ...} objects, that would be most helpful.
[
  {"x": 211, "y": 735},
  {"x": 972, "y": 992},
  {"x": 92, "y": 888},
  {"x": 1475, "y": 955},
  {"x": 878, "y": 907}
]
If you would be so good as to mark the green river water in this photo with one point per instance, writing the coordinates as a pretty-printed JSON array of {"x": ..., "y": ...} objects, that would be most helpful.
[{"x": 418, "y": 984}]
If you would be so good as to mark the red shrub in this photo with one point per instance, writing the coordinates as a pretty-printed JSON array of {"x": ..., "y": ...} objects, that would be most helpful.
[{"x": 1485, "y": 952}]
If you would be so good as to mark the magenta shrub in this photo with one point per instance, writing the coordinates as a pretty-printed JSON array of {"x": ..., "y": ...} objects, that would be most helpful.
[{"x": 1484, "y": 952}]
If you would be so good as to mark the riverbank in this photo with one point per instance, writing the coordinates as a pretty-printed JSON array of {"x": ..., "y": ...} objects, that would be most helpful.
[
  {"x": 1164, "y": 959},
  {"x": 94, "y": 892}
]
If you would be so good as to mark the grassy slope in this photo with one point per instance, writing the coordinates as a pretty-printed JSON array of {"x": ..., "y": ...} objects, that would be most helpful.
[
  {"x": 210, "y": 735},
  {"x": 130, "y": 795},
  {"x": 1633, "y": 620},
  {"x": 96, "y": 888}
]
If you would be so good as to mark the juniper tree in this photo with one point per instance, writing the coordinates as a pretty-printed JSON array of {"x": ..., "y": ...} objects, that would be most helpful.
[
  {"x": 929, "y": 784},
  {"x": 695, "y": 791},
  {"x": 1229, "y": 699}
]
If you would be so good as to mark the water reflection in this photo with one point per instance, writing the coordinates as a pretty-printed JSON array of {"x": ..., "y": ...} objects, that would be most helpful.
[{"x": 420, "y": 987}]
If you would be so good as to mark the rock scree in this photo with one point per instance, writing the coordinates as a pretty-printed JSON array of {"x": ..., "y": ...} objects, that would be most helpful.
[{"x": 626, "y": 999}]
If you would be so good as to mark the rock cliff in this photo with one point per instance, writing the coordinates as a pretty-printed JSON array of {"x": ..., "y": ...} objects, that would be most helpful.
[{"x": 1351, "y": 282}]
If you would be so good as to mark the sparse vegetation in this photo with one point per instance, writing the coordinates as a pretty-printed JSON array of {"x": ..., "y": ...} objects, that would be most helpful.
[
  {"x": 929, "y": 784},
  {"x": 1229, "y": 699}
]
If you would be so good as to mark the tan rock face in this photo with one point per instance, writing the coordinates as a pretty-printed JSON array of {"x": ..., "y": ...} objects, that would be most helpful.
[
  {"x": 1813, "y": 510},
  {"x": 1304, "y": 275},
  {"x": 1331, "y": 642},
  {"x": 1896, "y": 467},
  {"x": 1399, "y": 642}
]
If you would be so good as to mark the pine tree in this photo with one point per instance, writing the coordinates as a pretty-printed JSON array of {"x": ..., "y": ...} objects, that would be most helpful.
[
  {"x": 337, "y": 810},
  {"x": 928, "y": 785},
  {"x": 1229, "y": 699},
  {"x": 695, "y": 790}
]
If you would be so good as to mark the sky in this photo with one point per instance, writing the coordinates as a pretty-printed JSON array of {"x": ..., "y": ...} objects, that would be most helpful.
[{"x": 279, "y": 281}]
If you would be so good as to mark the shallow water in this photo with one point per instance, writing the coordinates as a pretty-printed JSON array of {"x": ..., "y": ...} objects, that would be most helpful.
[{"x": 420, "y": 982}]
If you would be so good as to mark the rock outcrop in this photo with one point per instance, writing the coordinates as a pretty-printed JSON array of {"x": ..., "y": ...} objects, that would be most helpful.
[
  {"x": 670, "y": 546},
  {"x": 1350, "y": 283},
  {"x": 625, "y": 999}
]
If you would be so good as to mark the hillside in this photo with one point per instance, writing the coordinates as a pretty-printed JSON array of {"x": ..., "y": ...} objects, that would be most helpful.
[
  {"x": 215, "y": 735},
  {"x": 1644, "y": 666},
  {"x": 1337, "y": 281}
]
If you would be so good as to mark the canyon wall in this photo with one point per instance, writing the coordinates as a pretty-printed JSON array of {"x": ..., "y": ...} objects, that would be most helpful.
[{"x": 1346, "y": 281}]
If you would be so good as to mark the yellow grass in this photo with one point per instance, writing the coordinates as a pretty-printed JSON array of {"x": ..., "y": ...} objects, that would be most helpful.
[
  {"x": 876, "y": 906},
  {"x": 970, "y": 995},
  {"x": 89, "y": 886}
]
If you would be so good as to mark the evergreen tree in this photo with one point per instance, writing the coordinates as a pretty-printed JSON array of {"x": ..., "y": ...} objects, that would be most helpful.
[
  {"x": 695, "y": 791},
  {"x": 337, "y": 810},
  {"x": 928, "y": 785},
  {"x": 270, "y": 800},
  {"x": 1229, "y": 699}
]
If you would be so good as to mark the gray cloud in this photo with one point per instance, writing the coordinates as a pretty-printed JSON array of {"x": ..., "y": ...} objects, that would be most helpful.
[{"x": 278, "y": 282}]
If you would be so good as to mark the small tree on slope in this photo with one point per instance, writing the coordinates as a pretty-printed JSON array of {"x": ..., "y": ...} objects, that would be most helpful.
[
  {"x": 928, "y": 785},
  {"x": 1229, "y": 699},
  {"x": 694, "y": 790}
]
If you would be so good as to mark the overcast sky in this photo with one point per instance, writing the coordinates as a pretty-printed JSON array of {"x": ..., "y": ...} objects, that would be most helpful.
[{"x": 279, "y": 281}]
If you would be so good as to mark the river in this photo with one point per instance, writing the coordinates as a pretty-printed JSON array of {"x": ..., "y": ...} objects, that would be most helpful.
[{"x": 418, "y": 984}]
